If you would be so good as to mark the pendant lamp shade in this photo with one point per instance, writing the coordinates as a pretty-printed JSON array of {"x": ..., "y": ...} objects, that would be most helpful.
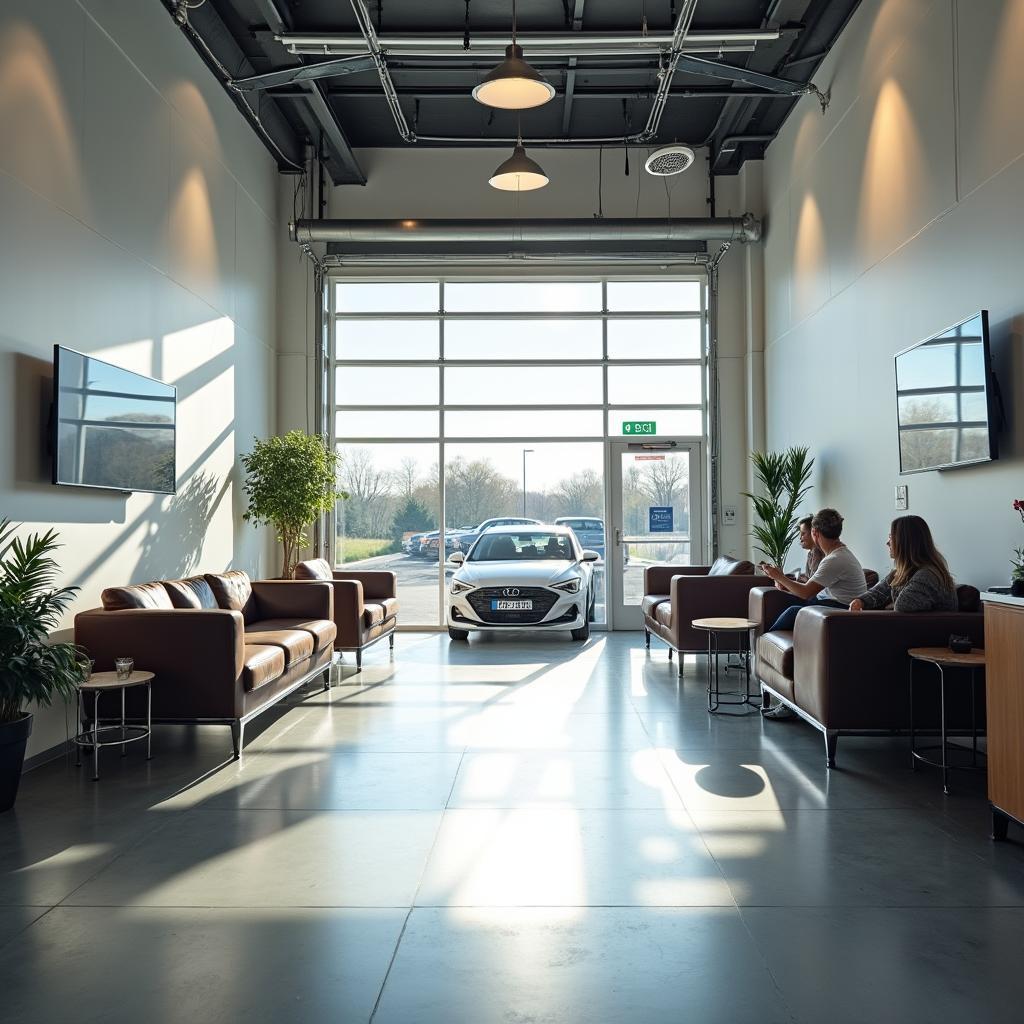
[
  {"x": 518, "y": 173},
  {"x": 513, "y": 84}
]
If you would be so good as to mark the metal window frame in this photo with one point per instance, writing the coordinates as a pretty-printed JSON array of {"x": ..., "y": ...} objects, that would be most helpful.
[{"x": 330, "y": 365}]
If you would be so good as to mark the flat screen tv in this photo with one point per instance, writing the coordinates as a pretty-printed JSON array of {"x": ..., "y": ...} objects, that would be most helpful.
[
  {"x": 945, "y": 399},
  {"x": 112, "y": 428}
]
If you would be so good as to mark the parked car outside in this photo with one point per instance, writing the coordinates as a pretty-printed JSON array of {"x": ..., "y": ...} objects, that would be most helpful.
[
  {"x": 467, "y": 537},
  {"x": 589, "y": 531},
  {"x": 520, "y": 578},
  {"x": 411, "y": 544},
  {"x": 430, "y": 544}
]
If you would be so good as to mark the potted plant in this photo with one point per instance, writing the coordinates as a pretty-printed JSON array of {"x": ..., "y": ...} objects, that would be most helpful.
[
  {"x": 290, "y": 481},
  {"x": 783, "y": 478},
  {"x": 1017, "y": 575},
  {"x": 32, "y": 670}
]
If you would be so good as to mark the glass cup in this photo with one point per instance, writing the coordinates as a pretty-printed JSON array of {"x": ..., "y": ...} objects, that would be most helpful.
[{"x": 124, "y": 667}]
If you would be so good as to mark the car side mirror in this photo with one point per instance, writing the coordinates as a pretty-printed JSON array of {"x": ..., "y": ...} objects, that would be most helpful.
[
  {"x": 456, "y": 558},
  {"x": 590, "y": 556}
]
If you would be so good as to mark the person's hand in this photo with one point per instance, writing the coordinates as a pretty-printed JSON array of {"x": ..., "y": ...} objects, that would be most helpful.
[
  {"x": 856, "y": 605},
  {"x": 772, "y": 571}
]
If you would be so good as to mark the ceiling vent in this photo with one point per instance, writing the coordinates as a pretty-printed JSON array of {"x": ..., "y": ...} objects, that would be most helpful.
[{"x": 669, "y": 160}]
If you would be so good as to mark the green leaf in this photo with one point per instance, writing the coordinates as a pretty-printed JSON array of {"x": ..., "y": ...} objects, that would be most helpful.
[{"x": 784, "y": 484}]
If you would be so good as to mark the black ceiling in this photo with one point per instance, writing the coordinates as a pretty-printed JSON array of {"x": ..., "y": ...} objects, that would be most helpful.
[{"x": 596, "y": 96}]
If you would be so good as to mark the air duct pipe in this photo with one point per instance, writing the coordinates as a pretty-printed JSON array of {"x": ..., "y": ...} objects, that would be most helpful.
[{"x": 444, "y": 232}]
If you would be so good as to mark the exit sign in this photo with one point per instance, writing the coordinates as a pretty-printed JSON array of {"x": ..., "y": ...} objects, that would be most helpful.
[{"x": 645, "y": 427}]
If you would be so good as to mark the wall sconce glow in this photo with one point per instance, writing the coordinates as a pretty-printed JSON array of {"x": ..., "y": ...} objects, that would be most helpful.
[
  {"x": 518, "y": 173},
  {"x": 514, "y": 84}
]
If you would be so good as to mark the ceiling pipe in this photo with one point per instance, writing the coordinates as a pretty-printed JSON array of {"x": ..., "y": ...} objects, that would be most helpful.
[
  {"x": 445, "y": 232},
  {"x": 492, "y": 44}
]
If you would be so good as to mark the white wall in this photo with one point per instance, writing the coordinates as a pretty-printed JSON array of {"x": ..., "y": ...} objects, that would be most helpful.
[
  {"x": 417, "y": 182},
  {"x": 137, "y": 224},
  {"x": 892, "y": 216}
]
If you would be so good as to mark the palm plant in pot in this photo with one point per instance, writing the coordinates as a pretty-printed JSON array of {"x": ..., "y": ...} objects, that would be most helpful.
[
  {"x": 783, "y": 477},
  {"x": 32, "y": 670}
]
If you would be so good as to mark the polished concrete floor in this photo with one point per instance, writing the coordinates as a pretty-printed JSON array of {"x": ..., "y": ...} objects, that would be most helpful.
[{"x": 508, "y": 832}]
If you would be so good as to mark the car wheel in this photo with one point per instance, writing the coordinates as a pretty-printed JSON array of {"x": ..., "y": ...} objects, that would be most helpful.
[
  {"x": 583, "y": 633},
  {"x": 458, "y": 634}
]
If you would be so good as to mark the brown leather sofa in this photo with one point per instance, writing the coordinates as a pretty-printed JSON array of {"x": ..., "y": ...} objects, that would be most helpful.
[
  {"x": 223, "y": 648},
  {"x": 848, "y": 672},
  {"x": 365, "y": 604},
  {"x": 675, "y": 595}
]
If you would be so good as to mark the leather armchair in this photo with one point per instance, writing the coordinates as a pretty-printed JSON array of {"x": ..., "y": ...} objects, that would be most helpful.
[
  {"x": 365, "y": 604},
  {"x": 675, "y": 595}
]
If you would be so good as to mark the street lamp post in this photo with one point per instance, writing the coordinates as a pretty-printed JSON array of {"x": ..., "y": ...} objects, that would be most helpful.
[{"x": 525, "y": 451}]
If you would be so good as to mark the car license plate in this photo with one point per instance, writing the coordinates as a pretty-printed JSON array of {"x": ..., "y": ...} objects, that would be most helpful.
[{"x": 511, "y": 606}]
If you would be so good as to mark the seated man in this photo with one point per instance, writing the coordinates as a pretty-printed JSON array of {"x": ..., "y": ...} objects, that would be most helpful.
[
  {"x": 814, "y": 553},
  {"x": 838, "y": 579}
]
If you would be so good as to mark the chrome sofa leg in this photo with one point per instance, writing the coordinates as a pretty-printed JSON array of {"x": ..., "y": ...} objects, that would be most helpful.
[
  {"x": 647, "y": 639},
  {"x": 391, "y": 640},
  {"x": 831, "y": 740},
  {"x": 237, "y": 736},
  {"x": 359, "y": 659}
]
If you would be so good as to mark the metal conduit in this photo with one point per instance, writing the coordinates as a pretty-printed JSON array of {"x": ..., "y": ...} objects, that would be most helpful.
[{"x": 443, "y": 232}]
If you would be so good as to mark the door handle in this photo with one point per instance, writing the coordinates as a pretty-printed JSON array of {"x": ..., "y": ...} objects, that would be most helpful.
[{"x": 618, "y": 537}]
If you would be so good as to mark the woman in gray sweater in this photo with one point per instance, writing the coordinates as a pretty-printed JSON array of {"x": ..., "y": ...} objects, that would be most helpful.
[{"x": 920, "y": 579}]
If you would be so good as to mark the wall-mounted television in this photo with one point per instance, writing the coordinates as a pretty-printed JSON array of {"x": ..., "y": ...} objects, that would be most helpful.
[
  {"x": 945, "y": 399},
  {"x": 112, "y": 428}
]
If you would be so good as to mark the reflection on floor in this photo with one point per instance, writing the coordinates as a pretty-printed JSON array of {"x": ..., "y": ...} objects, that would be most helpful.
[{"x": 508, "y": 831}]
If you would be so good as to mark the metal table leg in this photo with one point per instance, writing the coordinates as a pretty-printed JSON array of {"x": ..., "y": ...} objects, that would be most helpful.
[
  {"x": 149, "y": 720},
  {"x": 96, "y": 737},
  {"x": 945, "y": 760},
  {"x": 124, "y": 734}
]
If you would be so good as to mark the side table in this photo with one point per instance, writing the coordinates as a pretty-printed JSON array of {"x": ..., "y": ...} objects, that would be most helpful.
[
  {"x": 943, "y": 658},
  {"x": 715, "y": 626},
  {"x": 104, "y": 682}
]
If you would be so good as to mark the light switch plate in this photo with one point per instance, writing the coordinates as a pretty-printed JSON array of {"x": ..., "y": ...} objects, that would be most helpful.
[
  {"x": 728, "y": 515},
  {"x": 902, "y": 502}
]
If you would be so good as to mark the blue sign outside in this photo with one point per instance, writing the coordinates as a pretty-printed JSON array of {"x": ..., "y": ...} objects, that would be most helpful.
[{"x": 659, "y": 518}]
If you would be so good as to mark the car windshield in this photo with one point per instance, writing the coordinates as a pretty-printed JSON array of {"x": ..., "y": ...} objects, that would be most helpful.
[{"x": 514, "y": 547}]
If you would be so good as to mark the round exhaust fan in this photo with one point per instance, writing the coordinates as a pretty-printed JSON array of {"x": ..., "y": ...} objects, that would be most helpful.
[{"x": 669, "y": 160}]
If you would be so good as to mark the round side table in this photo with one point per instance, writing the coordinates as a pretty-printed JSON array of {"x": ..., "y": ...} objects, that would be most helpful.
[
  {"x": 715, "y": 627},
  {"x": 105, "y": 682},
  {"x": 943, "y": 658}
]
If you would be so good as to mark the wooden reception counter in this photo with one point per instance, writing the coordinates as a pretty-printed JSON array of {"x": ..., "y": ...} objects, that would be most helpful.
[{"x": 1004, "y": 681}]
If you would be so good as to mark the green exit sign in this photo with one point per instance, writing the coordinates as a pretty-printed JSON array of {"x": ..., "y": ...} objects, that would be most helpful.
[{"x": 646, "y": 427}]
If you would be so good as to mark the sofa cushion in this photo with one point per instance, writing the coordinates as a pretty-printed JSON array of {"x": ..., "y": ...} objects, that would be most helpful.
[
  {"x": 233, "y": 591},
  {"x": 726, "y": 566},
  {"x": 373, "y": 614},
  {"x": 663, "y": 613},
  {"x": 390, "y": 606},
  {"x": 140, "y": 595},
  {"x": 297, "y": 644},
  {"x": 650, "y": 602},
  {"x": 776, "y": 649},
  {"x": 968, "y": 599},
  {"x": 314, "y": 569},
  {"x": 261, "y": 665},
  {"x": 323, "y": 631},
  {"x": 870, "y": 577},
  {"x": 192, "y": 592}
]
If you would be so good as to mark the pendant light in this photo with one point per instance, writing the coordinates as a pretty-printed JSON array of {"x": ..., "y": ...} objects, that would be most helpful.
[
  {"x": 518, "y": 173},
  {"x": 513, "y": 84}
]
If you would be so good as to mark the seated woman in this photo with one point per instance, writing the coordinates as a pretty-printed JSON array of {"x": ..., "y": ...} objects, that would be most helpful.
[{"x": 920, "y": 580}]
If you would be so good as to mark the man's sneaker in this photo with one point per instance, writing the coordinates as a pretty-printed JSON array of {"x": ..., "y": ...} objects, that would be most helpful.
[{"x": 778, "y": 711}]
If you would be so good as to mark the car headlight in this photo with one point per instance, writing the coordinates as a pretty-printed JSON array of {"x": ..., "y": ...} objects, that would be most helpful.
[
  {"x": 569, "y": 586},
  {"x": 458, "y": 587}
]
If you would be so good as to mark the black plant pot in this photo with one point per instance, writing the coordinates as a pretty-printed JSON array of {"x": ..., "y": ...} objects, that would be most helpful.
[
  {"x": 1017, "y": 588},
  {"x": 13, "y": 740}
]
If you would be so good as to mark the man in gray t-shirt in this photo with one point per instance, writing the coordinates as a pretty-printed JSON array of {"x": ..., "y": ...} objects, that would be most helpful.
[{"x": 838, "y": 580}]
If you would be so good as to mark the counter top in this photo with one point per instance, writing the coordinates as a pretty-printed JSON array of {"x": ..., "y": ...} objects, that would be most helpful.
[{"x": 991, "y": 598}]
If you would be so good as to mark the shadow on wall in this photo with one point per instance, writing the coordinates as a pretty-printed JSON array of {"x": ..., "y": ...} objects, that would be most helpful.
[
  {"x": 170, "y": 553},
  {"x": 33, "y": 498},
  {"x": 1008, "y": 366}
]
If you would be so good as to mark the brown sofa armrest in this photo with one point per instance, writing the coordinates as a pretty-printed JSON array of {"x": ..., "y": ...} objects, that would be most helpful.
[
  {"x": 705, "y": 597},
  {"x": 195, "y": 654},
  {"x": 376, "y": 583},
  {"x": 294, "y": 599},
  {"x": 657, "y": 578},
  {"x": 766, "y": 604},
  {"x": 851, "y": 669}
]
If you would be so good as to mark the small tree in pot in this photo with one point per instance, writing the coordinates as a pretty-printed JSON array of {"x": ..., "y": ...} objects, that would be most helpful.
[
  {"x": 290, "y": 481},
  {"x": 783, "y": 478},
  {"x": 32, "y": 670}
]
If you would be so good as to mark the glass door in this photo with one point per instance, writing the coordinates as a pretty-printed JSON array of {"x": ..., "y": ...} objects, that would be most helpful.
[{"x": 655, "y": 518}]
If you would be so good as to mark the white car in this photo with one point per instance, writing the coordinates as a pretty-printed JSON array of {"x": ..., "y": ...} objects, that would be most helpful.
[{"x": 520, "y": 578}]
